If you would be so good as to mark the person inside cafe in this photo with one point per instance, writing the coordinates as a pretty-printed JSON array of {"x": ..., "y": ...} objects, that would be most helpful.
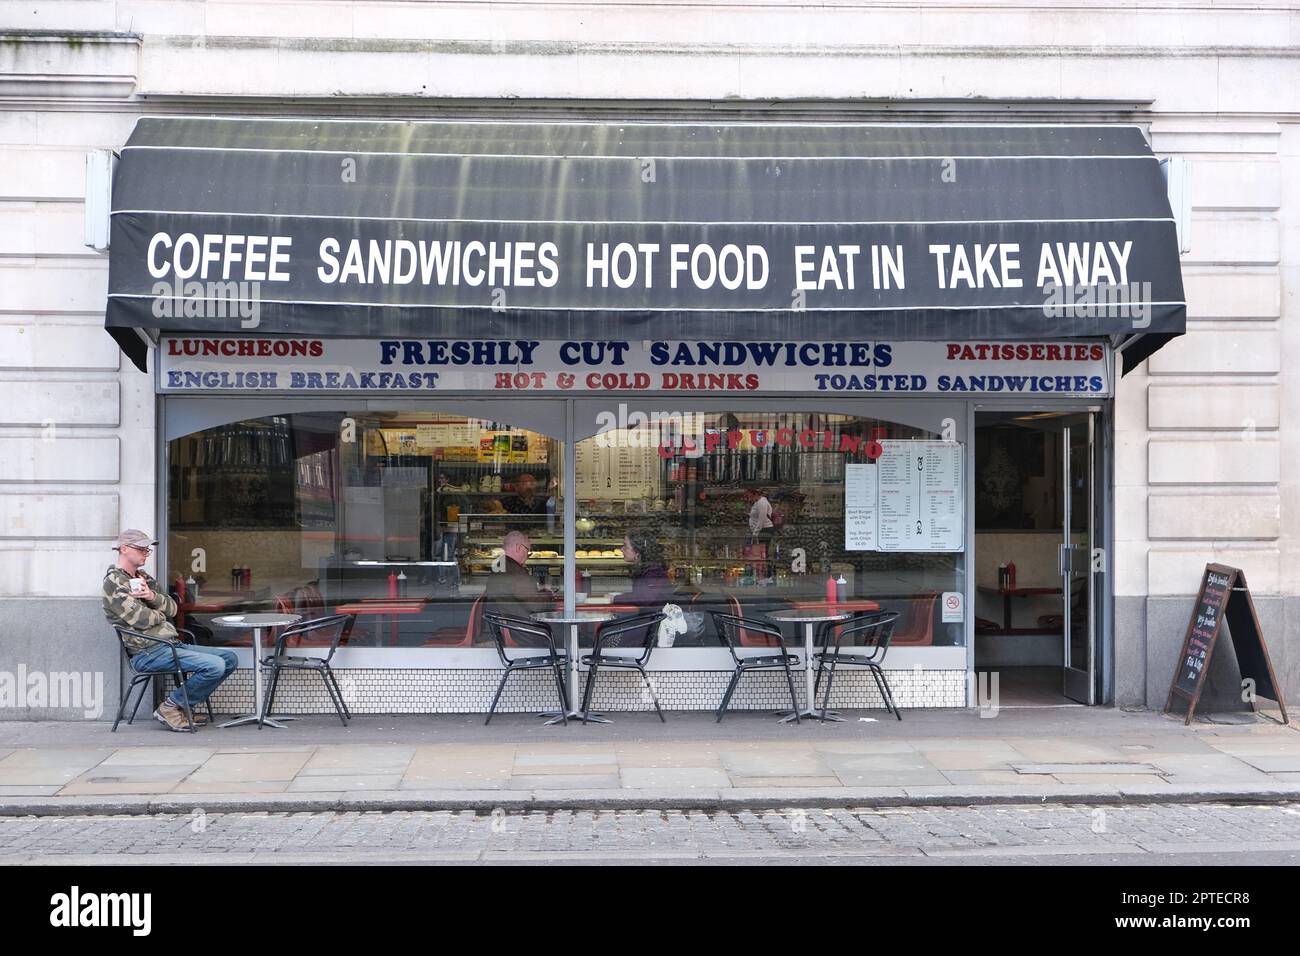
[
  {"x": 762, "y": 525},
  {"x": 512, "y": 592},
  {"x": 451, "y": 503},
  {"x": 651, "y": 585},
  {"x": 526, "y": 500},
  {"x": 133, "y": 600}
]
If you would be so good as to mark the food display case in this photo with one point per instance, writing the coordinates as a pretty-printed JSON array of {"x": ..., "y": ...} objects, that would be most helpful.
[{"x": 599, "y": 558}]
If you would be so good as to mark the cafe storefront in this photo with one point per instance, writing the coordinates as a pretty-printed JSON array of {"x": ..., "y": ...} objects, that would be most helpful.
[{"x": 737, "y": 368}]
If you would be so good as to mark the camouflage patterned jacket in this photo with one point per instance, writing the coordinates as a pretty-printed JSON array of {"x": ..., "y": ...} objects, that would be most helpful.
[{"x": 152, "y": 618}]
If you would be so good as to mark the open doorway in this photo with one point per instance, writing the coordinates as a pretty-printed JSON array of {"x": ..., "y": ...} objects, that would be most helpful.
[{"x": 1035, "y": 527}]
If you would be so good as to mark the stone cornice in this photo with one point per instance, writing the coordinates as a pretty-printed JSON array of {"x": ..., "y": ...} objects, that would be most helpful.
[
  {"x": 566, "y": 48},
  {"x": 59, "y": 65}
]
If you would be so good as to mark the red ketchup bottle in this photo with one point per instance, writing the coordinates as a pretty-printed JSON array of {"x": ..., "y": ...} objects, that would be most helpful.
[
  {"x": 830, "y": 589},
  {"x": 1011, "y": 575},
  {"x": 392, "y": 584}
]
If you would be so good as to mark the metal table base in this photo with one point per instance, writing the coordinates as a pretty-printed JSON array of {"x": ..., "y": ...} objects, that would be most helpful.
[
  {"x": 592, "y": 617},
  {"x": 259, "y": 718},
  {"x": 808, "y": 665}
]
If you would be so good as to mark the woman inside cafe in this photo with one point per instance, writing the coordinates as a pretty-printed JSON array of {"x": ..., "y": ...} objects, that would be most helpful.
[{"x": 651, "y": 585}]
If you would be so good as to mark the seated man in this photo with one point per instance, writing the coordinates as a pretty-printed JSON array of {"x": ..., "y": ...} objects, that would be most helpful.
[
  {"x": 513, "y": 592},
  {"x": 526, "y": 500},
  {"x": 149, "y": 611}
]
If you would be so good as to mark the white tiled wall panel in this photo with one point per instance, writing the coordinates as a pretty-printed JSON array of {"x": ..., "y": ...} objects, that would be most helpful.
[{"x": 373, "y": 691}]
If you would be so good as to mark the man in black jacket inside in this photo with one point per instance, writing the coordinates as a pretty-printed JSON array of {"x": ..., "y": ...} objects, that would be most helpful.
[{"x": 513, "y": 592}]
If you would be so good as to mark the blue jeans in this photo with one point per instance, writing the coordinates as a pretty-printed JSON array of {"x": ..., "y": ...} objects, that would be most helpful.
[{"x": 207, "y": 667}]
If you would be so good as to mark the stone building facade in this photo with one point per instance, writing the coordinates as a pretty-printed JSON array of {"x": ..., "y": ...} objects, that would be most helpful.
[{"x": 1207, "y": 434}]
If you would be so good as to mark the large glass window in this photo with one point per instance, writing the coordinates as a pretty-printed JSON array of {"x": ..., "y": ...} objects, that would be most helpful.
[
  {"x": 750, "y": 511},
  {"x": 401, "y": 518},
  {"x": 418, "y": 522}
]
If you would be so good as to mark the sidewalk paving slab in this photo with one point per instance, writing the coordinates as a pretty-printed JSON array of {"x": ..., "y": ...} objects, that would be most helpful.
[
  {"x": 244, "y": 767},
  {"x": 345, "y": 782},
  {"x": 961, "y": 778},
  {"x": 806, "y": 781},
  {"x": 934, "y": 758},
  {"x": 998, "y": 756},
  {"x": 465, "y": 781},
  {"x": 199, "y": 787},
  {"x": 1068, "y": 750},
  {"x": 1083, "y": 768},
  {"x": 1209, "y": 768},
  {"x": 359, "y": 759},
  {"x": 864, "y": 746},
  {"x": 158, "y": 756},
  {"x": 782, "y": 763},
  {"x": 1272, "y": 764},
  {"x": 564, "y": 781},
  {"x": 128, "y": 779},
  {"x": 1152, "y": 779},
  {"x": 673, "y": 778},
  {"x": 47, "y": 766}
]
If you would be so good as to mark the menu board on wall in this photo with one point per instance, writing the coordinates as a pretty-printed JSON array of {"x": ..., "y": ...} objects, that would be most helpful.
[
  {"x": 616, "y": 470},
  {"x": 921, "y": 505},
  {"x": 861, "y": 493},
  {"x": 448, "y": 435}
]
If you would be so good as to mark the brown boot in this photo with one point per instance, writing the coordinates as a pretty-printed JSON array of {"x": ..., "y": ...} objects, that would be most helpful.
[
  {"x": 200, "y": 717},
  {"x": 172, "y": 716}
]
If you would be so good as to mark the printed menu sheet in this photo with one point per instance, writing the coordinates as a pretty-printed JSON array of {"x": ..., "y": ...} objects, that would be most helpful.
[
  {"x": 615, "y": 471},
  {"x": 921, "y": 504},
  {"x": 860, "y": 505}
]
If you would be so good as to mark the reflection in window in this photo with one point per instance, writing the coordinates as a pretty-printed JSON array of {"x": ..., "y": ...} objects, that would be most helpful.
[
  {"x": 399, "y": 518},
  {"x": 745, "y": 512},
  {"x": 406, "y": 519}
]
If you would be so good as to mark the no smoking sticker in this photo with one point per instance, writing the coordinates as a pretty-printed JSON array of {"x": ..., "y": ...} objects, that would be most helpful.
[{"x": 954, "y": 607}]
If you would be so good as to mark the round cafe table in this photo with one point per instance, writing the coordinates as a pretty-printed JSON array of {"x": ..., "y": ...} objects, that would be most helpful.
[
  {"x": 257, "y": 623},
  {"x": 809, "y": 616},
  {"x": 574, "y": 621}
]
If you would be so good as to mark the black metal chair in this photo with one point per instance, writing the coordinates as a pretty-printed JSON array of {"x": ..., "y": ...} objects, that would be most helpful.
[
  {"x": 631, "y": 632},
  {"x": 326, "y": 633},
  {"x": 878, "y": 629},
  {"x": 737, "y": 632},
  {"x": 142, "y": 678},
  {"x": 537, "y": 636}
]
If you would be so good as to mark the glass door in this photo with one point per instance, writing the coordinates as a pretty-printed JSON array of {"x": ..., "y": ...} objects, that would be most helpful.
[{"x": 1076, "y": 562}]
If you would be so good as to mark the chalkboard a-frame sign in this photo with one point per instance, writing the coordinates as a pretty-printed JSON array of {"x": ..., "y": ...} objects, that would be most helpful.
[{"x": 1224, "y": 595}]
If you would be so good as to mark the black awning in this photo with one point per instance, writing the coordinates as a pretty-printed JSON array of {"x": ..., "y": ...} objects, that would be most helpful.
[{"x": 643, "y": 230}]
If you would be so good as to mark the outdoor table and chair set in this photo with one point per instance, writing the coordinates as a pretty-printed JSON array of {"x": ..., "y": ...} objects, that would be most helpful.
[{"x": 848, "y": 634}]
